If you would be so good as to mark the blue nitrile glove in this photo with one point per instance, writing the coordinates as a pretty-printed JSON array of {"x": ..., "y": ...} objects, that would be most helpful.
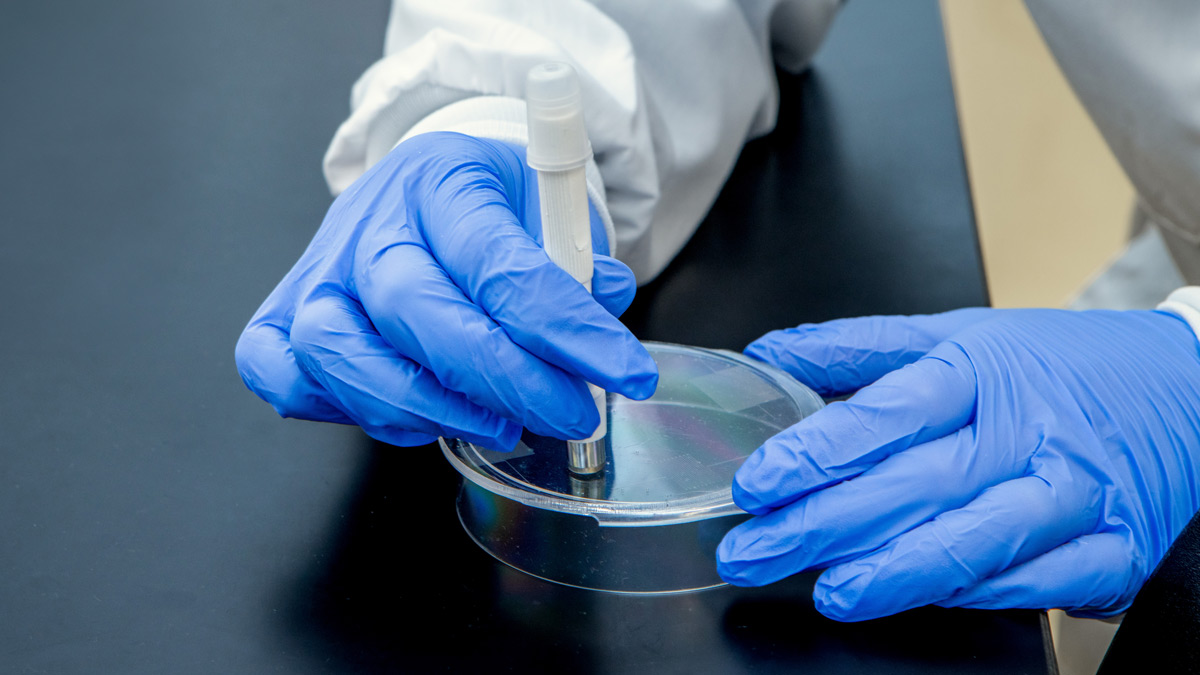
[
  {"x": 425, "y": 306},
  {"x": 993, "y": 459}
]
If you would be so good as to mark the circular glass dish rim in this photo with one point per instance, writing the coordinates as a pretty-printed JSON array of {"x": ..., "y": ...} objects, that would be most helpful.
[
  {"x": 599, "y": 589},
  {"x": 623, "y": 514}
]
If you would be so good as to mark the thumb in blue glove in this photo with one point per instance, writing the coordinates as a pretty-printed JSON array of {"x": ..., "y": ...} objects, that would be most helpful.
[
  {"x": 991, "y": 459},
  {"x": 425, "y": 306}
]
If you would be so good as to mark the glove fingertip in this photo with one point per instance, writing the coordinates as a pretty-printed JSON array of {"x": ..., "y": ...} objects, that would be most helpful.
[
  {"x": 572, "y": 414},
  {"x": 747, "y": 500},
  {"x": 639, "y": 377},
  {"x": 832, "y": 609},
  {"x": 735, "y": 575},
  {"x": 807, "y": 360},
  {"x": 615, "y": 303},
  {"x": 584, "y": 426},
  {"x": 765, "y": 348},
  {"x": 832, "y": 601},
  {"x": 641, "y": 386},
  {"x": 732, "y": 570},
  {"x": 613, "y": 284},
  {"x": 755, "y": 486}
]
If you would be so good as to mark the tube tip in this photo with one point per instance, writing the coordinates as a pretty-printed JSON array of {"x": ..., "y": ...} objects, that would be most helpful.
[{"x": 557, "y": 137}]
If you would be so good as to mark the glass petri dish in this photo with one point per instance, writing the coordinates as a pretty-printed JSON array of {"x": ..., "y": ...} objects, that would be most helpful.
[{"x": 651, "y": 521}]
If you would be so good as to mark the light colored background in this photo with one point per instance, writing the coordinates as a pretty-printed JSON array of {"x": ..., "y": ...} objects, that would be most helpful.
[{"x": 1051, "y": 204}]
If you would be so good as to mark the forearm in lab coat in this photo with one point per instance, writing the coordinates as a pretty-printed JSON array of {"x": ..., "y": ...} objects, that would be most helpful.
[
  {"x": 672, "y": 92},
  {"x": 1136, "y": 68}
]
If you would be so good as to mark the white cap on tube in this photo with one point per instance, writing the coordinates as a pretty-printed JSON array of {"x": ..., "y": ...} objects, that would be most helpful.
[{"x": 557, "y": 138}]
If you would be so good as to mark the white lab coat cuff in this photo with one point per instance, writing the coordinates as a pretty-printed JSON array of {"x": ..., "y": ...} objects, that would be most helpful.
[
  {"x": 502, "y": 118},
  {"x": 1185, "y": 304}
]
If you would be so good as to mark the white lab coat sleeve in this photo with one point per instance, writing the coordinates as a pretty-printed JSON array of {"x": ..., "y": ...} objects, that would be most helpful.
[
  {"x": 1185, "y": 304},
  {"x": 672, "y": 90},
  {"x": 1136, "y": 68}
]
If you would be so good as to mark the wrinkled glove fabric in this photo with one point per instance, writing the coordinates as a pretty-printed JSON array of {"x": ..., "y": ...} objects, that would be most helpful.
[
  {"x": 425, "y": 306},
  {"x": 991, "y": 459}
]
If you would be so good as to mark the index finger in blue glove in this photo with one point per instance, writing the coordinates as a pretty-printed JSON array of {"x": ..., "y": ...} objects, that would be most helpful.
[
  {"x": 913, "y": 405},
  {"x": 392, "y": 398},
  {"x": 845, "y": 521},
  {"x": 474, "y": 233},
  {"x": 1006, "y": 525},
  {"x": 840, "y": 356}
]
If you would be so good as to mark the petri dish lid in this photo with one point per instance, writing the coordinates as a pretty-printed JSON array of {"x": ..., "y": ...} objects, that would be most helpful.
[{"x": 671, "y": 458}]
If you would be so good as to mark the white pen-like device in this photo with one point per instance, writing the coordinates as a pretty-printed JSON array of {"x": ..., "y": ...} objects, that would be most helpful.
[{"x": 559, "y": 151}]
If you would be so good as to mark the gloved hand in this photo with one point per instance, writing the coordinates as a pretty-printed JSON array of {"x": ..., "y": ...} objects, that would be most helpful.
[
  {"x": 993, "y": 459},
  {"x": 425, "y": 306}
]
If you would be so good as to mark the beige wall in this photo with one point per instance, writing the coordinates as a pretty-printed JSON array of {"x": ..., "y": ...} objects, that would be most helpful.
[{"x": 1051, "y": 203}]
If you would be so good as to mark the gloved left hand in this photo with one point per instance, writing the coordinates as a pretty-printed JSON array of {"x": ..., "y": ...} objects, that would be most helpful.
[{"x": 992, "y": 459}]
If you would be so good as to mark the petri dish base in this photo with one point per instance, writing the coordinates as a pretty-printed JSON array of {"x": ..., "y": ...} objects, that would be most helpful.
[{"x": 651, "y": 521}]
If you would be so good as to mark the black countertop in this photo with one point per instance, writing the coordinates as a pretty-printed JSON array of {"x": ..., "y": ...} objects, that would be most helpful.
[{"x": 161, "y": 171}]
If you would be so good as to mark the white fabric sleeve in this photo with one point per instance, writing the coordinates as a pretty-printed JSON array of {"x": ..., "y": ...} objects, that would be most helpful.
[
  {"x": 672, "y": 90},
  {"x": 1185, "y": 304},
  {"x": 1136, "y": 68},
  {"x": 502, "y": 118}
]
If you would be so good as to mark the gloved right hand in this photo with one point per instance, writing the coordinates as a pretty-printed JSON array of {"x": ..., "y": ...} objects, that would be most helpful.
[
  {"x": 425, "y": 306},
  {"x": 991, "y": 459}
]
